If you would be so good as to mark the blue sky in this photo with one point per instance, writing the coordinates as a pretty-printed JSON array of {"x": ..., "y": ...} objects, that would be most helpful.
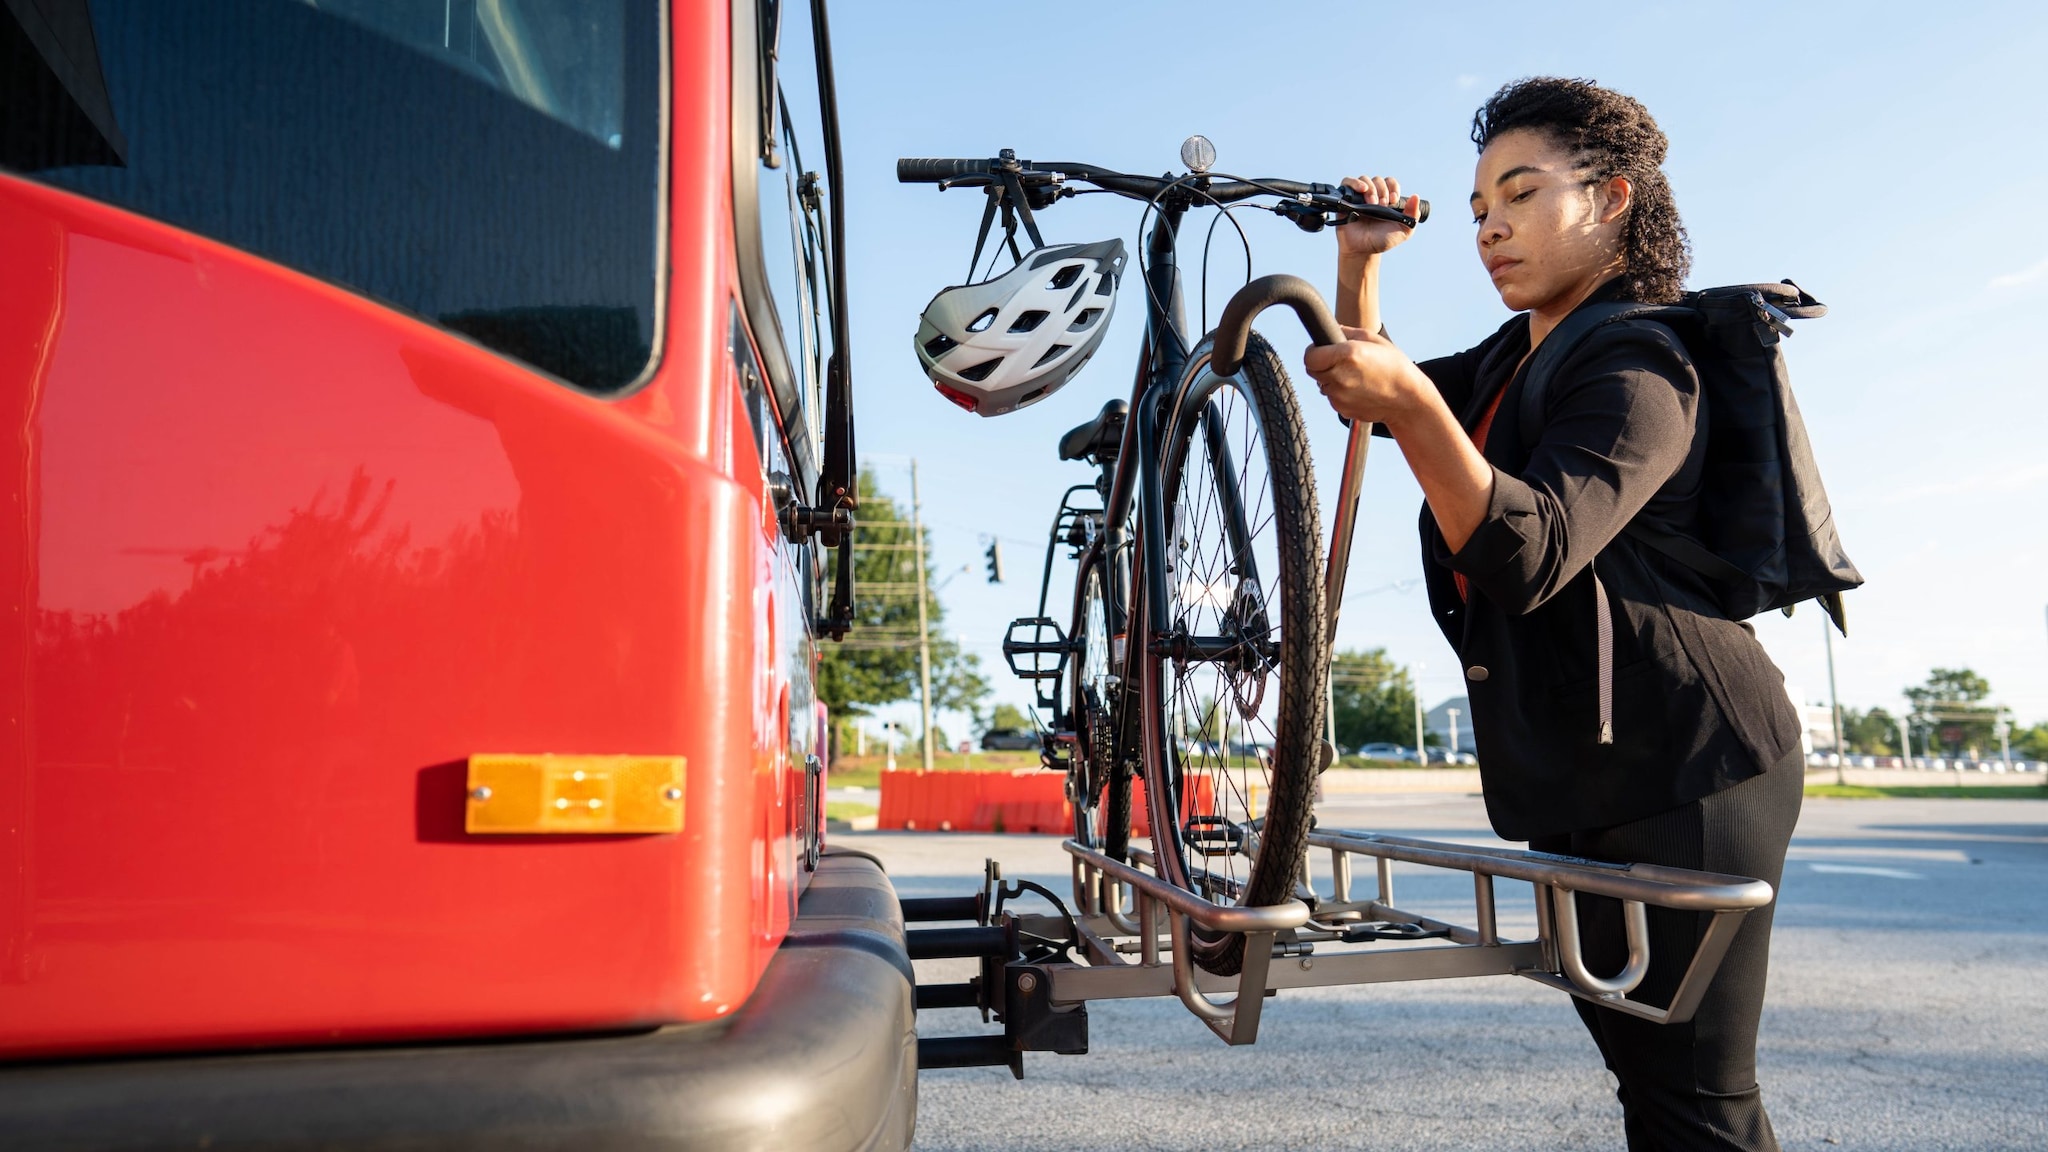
[{"x": 1888, "y": 157}]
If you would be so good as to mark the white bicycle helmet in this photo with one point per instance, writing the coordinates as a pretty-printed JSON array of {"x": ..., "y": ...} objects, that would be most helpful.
[{"x": 999, "y": 345}]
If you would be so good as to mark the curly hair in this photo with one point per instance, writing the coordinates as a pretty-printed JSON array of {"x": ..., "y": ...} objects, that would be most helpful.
[{"x": 1614, "y": 135}]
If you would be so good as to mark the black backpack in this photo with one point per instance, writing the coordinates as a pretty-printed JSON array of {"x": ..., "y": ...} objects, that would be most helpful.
[{"x": 1770, "y": 537}]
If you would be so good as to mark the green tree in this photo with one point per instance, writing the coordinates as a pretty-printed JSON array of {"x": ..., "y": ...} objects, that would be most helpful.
[
  {"x": 877, "y": 662},
  {"x": 1008, "y": 716},
  {"x": 2031, "y": 743},
  {"x": 1374, "y": 699},
  {"x": 1872, "y": 733},
  {"x": 1951, "y": 707}
]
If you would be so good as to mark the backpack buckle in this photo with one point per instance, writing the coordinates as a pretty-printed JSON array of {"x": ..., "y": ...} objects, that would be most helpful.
[{"x": 1771, "y": 323}]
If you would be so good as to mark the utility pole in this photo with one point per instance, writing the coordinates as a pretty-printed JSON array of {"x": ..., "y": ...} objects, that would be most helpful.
[
  {"x": 1834, "y": 701},
  {"x": 924, "y": 635},
  {"x": 1421, "y": 749},
  {"x": 1330, "y": 711}
]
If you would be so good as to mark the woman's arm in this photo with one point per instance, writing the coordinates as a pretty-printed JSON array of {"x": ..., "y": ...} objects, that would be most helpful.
[
  {"x": 1358, "y": 291},
  {"x": 1359, "y": 245},
  {"x": 1368, "y": 378},
  {"x": 1619, "y": 425}
]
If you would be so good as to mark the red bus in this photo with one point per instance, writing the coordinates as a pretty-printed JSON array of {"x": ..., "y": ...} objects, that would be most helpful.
[{"x": 427, "y": 429}]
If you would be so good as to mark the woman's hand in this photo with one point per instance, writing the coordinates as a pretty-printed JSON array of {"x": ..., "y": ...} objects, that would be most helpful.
[
  {"x": 1368, "y": 378},
  {"x": 1368, "y": 237}
]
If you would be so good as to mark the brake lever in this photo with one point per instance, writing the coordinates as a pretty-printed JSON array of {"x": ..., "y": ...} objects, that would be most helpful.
[{"x": 1314, "y": 213}]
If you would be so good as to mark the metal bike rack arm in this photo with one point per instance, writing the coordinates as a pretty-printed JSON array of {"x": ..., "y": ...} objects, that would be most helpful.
[
  {"x": 1558, "y": 880},
  {"x": 1649, "y": 883},
  {"x": 1235, "y": 1020}
]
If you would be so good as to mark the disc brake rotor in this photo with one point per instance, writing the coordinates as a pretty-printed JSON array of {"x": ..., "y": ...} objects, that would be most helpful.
[{"x": 1247, "y": 618}]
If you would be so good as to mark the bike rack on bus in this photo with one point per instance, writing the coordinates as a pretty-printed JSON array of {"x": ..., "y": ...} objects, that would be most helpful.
[{"x": 1132, "y": 929}]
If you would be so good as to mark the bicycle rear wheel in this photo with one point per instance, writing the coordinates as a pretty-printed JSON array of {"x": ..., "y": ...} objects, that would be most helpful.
[
  {"x": 1099, "y": 705},
  {"x": 1234, "y": 691}
]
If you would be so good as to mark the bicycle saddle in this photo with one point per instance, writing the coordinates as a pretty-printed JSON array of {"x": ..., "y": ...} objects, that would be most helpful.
[{"x": 1099, "y": 437}]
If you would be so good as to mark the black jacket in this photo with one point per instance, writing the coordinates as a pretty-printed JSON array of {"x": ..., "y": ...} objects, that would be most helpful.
[{"x": 1698, "y": 706}]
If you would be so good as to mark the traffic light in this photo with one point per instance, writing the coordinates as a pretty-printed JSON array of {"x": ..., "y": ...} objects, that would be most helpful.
[{"x": 995, "y": 561}]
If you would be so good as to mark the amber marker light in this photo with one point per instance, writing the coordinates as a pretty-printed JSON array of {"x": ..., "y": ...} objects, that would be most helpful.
[{"x": 527, "y": 794}]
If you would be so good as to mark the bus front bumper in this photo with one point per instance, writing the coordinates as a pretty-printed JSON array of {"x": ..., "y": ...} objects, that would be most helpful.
[{"x": 823, "y": 1056}]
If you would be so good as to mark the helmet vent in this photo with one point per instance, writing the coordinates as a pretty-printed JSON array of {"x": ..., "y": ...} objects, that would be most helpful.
[
  {"x": 1106, "y": 286},
  {"x": 1065, "y": 277},
  {"x": 1081, "y": 322},
  {"x": 980, "y": 371},
  {"x": 939, "y": 345},
  {"x": 1030, "y": 320},
  {"x": 1051, "y": 354},
  {"x": 982, "y": 321}
]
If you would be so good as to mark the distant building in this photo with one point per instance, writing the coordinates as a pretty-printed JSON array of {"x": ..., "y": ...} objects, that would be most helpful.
[
  {"x": 1451, "y": 723},
  {"x": 1816, "y": 723}
]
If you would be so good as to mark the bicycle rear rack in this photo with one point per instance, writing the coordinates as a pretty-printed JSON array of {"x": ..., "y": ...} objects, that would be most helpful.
[{"x": 1328, "y": 939}]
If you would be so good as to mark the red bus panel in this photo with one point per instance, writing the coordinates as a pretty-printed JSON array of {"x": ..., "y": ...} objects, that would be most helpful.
[{"x": 279, "y": 559}]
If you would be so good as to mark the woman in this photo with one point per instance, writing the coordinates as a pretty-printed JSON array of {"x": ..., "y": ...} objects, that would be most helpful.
[{"x": 1694, "y": 759}]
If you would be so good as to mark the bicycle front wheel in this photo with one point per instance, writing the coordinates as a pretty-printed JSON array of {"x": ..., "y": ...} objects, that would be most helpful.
[{"x": 1235, "y": 687}]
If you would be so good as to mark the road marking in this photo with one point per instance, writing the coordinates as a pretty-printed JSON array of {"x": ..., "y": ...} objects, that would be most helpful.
[
  {"x": 1801, "y": 851},
  {"x": 1868, "y": 870}
]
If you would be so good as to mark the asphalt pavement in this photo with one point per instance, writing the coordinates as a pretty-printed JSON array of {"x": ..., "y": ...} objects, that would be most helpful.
[{"x": 1908, "y": 1010}]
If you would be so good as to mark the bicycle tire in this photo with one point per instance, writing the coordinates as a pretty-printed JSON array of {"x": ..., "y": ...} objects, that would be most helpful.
[
  {"x": 1265, "y": 446},
  {"x": 1096, "y": 703}
]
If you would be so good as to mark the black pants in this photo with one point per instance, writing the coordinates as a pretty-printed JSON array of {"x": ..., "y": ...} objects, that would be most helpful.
[{"x": 1690, "y": 1085}]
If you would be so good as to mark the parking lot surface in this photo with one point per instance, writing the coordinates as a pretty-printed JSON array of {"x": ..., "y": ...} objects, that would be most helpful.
[{"x": 1908, "y": 1010}]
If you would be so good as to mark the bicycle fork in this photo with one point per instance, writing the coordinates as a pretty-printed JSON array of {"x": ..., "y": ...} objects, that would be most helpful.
[{"x": 1232, "y": 330}]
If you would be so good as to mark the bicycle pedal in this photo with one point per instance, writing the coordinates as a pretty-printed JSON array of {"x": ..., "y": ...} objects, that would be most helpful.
[
  {"x": 1036, "y": 650},
  {"x": 1213, "y": 836}
]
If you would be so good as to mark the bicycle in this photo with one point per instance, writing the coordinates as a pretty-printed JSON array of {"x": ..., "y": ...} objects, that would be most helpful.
[{"x": 1204, "y": 535}]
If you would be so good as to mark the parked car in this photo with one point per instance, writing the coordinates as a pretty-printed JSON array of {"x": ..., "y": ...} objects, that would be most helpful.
[
  {"x": 1009, "y": 740},
  {"x": 1383, "y": 751}
]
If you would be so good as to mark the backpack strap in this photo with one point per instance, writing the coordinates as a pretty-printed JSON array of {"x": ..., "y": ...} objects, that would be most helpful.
[
  {"x": 1684, "y": 549},
  {"x": 1556, "y": 348},
  {"x": 1560, "y": 344}
]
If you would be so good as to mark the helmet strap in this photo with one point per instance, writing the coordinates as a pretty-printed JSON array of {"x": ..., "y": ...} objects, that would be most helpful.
[
  {"x": 1009, "y": 196},
  {"x": 1015, "y": 188}
]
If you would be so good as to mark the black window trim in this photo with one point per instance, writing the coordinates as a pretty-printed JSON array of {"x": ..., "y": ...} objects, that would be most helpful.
[
  {"x": 657, "y": 342},
  {"x": 756, "y": 300}
]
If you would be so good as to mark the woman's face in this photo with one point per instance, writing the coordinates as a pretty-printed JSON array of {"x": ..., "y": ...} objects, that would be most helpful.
[{"x": 1548, "y": 234}]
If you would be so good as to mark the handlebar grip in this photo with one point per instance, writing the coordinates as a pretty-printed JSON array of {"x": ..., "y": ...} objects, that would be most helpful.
[
  {"x": 1236, "y": 323},
  {"x": 911, "y": 170},
  {"x": 1421, "y": 213}
]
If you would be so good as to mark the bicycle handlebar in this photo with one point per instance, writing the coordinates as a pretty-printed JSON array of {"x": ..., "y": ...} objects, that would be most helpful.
[
  {"x": 913, "y": 170},
  {"x": 910, "y": 170}
]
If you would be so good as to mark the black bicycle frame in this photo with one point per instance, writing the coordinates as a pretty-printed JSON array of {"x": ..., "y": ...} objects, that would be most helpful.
[{"x": 1163, "y": 358}]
